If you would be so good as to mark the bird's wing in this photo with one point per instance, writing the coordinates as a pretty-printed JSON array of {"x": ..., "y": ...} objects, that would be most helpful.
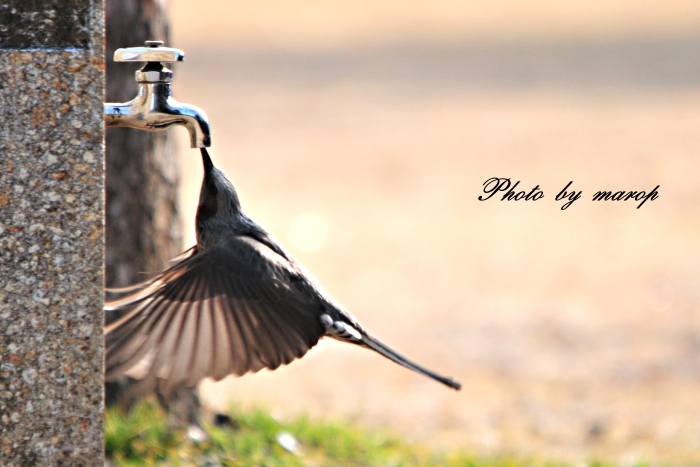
[
  {"x": 235, "y": 308},
  {"x": 154, "y": 281}
]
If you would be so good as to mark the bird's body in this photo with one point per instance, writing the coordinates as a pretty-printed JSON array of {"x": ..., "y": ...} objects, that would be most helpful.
[{"x": 236, "y": 302}]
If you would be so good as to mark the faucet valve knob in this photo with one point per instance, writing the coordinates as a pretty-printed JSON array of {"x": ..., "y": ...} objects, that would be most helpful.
[{"x": 152, "y": 52}]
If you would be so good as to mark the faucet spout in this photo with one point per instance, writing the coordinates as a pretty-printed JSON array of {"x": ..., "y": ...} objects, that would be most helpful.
[{"x": 154, "y": 108}]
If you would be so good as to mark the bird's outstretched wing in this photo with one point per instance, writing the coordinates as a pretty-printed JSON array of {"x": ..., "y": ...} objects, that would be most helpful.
[{"x": 235, "y": 308}]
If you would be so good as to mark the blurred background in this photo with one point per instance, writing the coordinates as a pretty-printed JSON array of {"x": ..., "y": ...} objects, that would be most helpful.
[{"x": 360, "y": 134}]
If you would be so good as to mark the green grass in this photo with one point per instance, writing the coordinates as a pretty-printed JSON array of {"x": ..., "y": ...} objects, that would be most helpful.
[{"x": 146, "y": 438}]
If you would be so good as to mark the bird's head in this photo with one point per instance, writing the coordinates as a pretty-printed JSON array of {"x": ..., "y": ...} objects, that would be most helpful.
[{"x": 218, "y": 202}]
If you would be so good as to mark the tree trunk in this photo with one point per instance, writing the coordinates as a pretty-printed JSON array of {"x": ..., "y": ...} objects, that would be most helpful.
[{"x": 143, "y": 228}]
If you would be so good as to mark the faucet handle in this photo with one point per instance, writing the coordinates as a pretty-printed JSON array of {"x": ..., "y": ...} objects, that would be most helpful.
[{"x": 152, "y": 52}]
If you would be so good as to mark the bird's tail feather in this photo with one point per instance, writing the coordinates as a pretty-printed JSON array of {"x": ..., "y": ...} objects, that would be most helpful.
[{"x": 383, "y": 349}]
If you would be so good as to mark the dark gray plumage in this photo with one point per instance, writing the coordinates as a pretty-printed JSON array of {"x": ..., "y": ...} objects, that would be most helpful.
[{"x": 236, "y": 302}]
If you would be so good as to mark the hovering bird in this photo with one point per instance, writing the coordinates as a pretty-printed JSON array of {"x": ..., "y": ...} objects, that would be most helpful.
[{"x": 236, "y": 302}]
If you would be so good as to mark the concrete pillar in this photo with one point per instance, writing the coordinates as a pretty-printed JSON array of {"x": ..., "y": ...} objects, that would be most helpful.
[{"x": 51, "y": 232}]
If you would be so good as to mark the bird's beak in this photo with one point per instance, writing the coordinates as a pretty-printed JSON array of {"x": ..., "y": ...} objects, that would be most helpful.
[{"x": 206, "y": 160}]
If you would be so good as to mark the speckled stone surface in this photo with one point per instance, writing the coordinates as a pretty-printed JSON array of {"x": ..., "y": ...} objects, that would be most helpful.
[
  {"x": 45, "y": 24},
  {"x": 51, "y": 252}
]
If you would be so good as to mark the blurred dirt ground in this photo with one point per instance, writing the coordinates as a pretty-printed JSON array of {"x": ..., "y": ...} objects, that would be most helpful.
[{"x": 361, "y": 134}]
